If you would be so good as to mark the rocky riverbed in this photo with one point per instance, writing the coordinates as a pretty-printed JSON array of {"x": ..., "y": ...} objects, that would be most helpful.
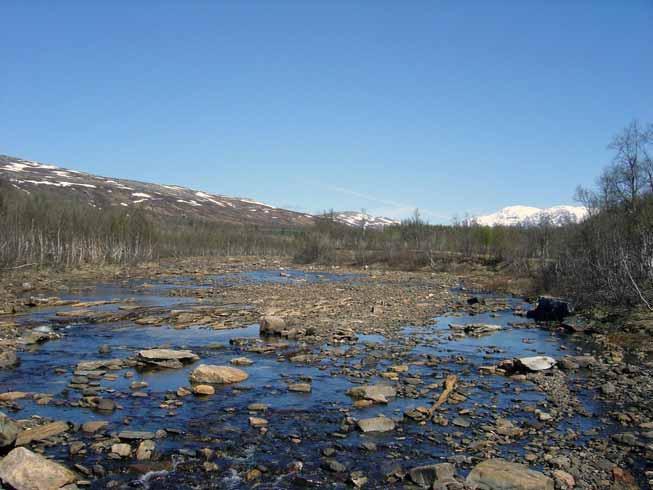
[{"x": 256, "y": 375}]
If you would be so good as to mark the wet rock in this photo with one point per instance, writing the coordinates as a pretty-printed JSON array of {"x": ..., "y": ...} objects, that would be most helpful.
[
  {"x": 167, "y": 358},
  {"x": 8, "y": 431},
  {"x": 131, "y": 435},
  {"x": 94, "y": 426},
  {"x": 122, "y": 450},
  {"x": 475, "y": 329},
  {"x": 272, "y": 325},
  {"x": 208, "y": 373},
  {"x": 258, "y": 422},
  {"x": 241, "y": 361},
  {"x": 426, "y": 476},
  {"x": 145, "y": 450},
  {"x": 105, "y": 405},
  {"x": 11, "y": 396},
  {"x": 378, "y": 393},
  {"x": 104, "y": 349},
  {"x": 8, "y": 359},
  {"x": 499, "y": 474},
  {"x": 24, "y": 470},
  {"x": 564, "y": 479},
  {"x": 550, "y": 309},
  {"x": 203, "y": 390},
  {"x": 41, "y": 432},
  {"x": 300, "y": 387},
  {"x": 376, "y": 424},
  {"x": 535, "y": 363},
  {"x": 333, "y": 465}
]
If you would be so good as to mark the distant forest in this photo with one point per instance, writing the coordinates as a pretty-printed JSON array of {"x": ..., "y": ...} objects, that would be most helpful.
[{"x": 606, "y": 259}]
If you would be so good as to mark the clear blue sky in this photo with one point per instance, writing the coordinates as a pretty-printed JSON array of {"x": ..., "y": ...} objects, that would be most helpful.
[{"x": 451, "y": 107}]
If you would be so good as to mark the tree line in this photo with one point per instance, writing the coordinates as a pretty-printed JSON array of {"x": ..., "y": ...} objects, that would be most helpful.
[{"x": 605, "y": 259}]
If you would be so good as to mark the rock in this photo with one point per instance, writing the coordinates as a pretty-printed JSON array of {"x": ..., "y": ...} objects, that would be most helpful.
[
  {"x": 167, "y": 358},
  {"x": 105, "y": 405},
  {"x": 564, "y": 479},
  {"x": 131, "y": 435},
  {"x": 11, "y": 396},
  {"x": 476, "y": 328},
  {"x": 241, "y": 361},
  {"x": 8, "y": 359},
  {"x": 499, "y": 474},
  {"x": 608, "y": 388},
  {"x": 24, "y": 470},
  {"x": 300, "y": 387},
  {"x": 8, "y": 431},
  {"x": 123, "y": 450},
  {"x": 426, "y": 476},
  {"x": 41, "y": 432},
  {"x": 550, "y": 309},
  {"x": 257, "y": 422},
  {"x": 376, "y": 424},
  {"x": 145, "y": 450},
  {"x": 378, "y": 393},
  {"x": 94, "y": 426},
  {"x": 104, "y": 349},
  {"x": 272, "y": 325},
  {"x": 208, "y": 373},
  {"x": 203, "y": 390},
  {"x": 333, "y": 465},
  {"x": 535, "y": 363}
]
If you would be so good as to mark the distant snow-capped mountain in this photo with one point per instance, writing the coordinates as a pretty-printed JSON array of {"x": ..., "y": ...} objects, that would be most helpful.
[
  {"x": 528, "y": 215},
  {"x": 363, "y": 220}
]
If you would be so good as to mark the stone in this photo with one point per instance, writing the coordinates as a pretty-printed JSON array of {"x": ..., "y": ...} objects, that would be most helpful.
[
  {"x": 475, "y": 329},
  {"x": 241, "y": 361},
  {"x": 550, "y": 309},
  {"x": 376, "y": 424},
  {"x": 272, "y": 325},
  {"x": 167, "y": 358},
  {"x": 11, "y": 396},
  {"x": 300, "y": 387},
  {"x": 8, "y": 359},
  {"x": 145, "y": 450},
  {"x": 131, "y": 435},
  {"x": 123, "y": 450},
  {"x": 535, "y": 363},
  {"x": 8, "y": 431},
  {"x": 24, "y": 470},
  {"x": 94, "y": 426},
  {"x": 499, "y": 474},
  {"x": 41, "y": 432},
  {"x": 378, "y": 393},
  {"x": 203, "y": 390},
  {"x": 257, "y": 422},
  {"x": 564, "y": 479},
  {"x": 426, "y": 476},
  {"x": 208, "y": 373}
]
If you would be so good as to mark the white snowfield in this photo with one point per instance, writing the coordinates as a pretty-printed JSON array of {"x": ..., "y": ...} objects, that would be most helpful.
[
  {"x": 363, "y": 220},
  {"x": 528, "y": 215}
]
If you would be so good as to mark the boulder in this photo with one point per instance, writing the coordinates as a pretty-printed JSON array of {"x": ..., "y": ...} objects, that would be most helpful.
[
  {"x": 550, "y": 309},
  {"x": 24, "y": 470},
  {"x": 208, "y": 373},
  {"x": 8, "y": 431},
  {"x": 499, "y": 474},
  {"x": 535, "y": 363},
  {"x": 203, "y": 390},
  {"x": 272, "y": 325},
  {"x": 376, "y": 424},
  {"x": 145, "y": 450},
  {"x": 300, "y": 387},
  {"x": 378, "y": 393}
]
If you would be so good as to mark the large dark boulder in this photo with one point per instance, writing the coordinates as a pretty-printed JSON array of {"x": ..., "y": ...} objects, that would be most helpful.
[{"x": 550, "y": 309}]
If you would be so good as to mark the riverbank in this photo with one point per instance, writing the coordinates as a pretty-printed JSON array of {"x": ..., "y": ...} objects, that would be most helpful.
[{"x": 341, "y": 351}]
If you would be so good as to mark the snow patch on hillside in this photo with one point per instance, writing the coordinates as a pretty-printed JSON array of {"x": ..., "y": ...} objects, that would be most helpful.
[{"x": 528, "y": 215}]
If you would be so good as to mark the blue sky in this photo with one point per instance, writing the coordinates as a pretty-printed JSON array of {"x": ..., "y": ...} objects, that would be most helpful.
[{"x": 450, "y": 107}]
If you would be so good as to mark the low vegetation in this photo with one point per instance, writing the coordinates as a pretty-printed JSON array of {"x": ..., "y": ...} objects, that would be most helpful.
[{"x": 606, "y": 259}]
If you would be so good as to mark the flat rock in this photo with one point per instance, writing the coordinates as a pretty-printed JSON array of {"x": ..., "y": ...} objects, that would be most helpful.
[
  {"x": 150, "y": 355},
  {"x": 499, "y": 474},
  {"x": 376, "y": 424},
  {"x": 536, "y": 363},
  {"x": 24, "y": 470},
  {"x": 378, "y": 393},
  {"x": 41, "y": 432},
  {"x": 203, "y": 390},
  {"x": 94, "y": 426},
  {"x": 131, "y": 435},
  {"x": 208, "y": 373}
]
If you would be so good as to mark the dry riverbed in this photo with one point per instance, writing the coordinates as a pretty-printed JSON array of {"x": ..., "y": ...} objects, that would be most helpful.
[{"x": 256, "y": 373}]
